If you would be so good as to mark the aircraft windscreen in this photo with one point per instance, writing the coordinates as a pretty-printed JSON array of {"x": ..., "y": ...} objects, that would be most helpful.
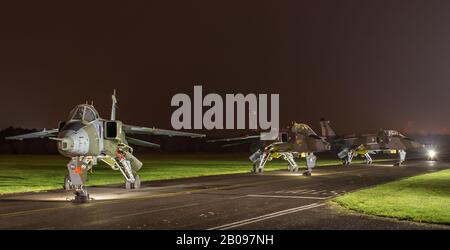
[
  {"x": 83, "y": 112},
  {"x": 89, "y": 115},
  {"x": 77, "y": 113},
  {"x": 393, "y": 133},
  {"x": 302, "y": 129}
]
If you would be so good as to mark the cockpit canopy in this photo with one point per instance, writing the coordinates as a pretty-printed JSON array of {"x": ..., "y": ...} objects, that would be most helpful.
[
  {"x": 84, "y": 112},
  {"x": 301, "y": 128},
  {"x": 391, "y": 133}
]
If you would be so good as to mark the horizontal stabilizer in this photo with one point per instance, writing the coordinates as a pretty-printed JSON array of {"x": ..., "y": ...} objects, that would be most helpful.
[{"x": 248, "y": 137}]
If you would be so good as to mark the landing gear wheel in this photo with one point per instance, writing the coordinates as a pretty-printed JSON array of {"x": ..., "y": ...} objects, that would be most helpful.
[
  {"x": 81, "y": 196},
  {"x": 135, "y": 185},
  {"x": 293, "y": 169},
  {"x": 257, "y": 170},
  {"x": 67, "y": 183},
  {"x": 128, "y": 185},
  {"x": 307, "y": 173}
]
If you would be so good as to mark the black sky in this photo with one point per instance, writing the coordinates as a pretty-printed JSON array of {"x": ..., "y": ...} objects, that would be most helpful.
[{"x": 362, "y": 64}]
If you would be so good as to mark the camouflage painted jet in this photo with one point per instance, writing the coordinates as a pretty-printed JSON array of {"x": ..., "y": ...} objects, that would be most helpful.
[
  {"x": 297, "y": 140},
  {"x": 86, "y": 138},
  {"x": 347, "y": 147}
]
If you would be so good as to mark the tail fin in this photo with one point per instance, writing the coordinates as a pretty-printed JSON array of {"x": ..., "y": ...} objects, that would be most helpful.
[
  {"x": 327, "y": 131},
  {"x": 114, "y": 106}
]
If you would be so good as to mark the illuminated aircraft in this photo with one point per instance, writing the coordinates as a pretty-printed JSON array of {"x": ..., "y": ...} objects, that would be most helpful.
[
  {"x": 347, "y": 147},
  {"x": 86, "y": 138},
  {"x": 298, "y": 140}
]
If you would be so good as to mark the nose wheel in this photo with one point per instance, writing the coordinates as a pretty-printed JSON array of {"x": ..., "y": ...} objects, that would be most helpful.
[{"x": 81, "y": 195}]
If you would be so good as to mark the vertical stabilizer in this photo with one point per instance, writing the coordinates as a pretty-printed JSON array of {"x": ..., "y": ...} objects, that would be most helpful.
[
  {"x": 327, "y": 131},
  {"x": 114, "y": 106}
]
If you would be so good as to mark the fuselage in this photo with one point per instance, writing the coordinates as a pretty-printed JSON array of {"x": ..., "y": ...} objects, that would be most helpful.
[
  {"x": 299, "y": 138},
  {"x": 385, "y": 140}
]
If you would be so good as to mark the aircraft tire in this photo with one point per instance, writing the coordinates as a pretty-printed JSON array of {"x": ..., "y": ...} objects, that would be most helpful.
[
  {"x": 81, "y": 198},
  {"x": 258, "y": 170},
  {"x": 135, "y": 185},
  {"x": 128, "y": 185},
  {"x": 255, "y": 169}
]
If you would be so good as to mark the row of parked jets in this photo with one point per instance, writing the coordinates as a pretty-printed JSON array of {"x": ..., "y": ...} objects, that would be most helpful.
[{"x": 86, "y": 139}]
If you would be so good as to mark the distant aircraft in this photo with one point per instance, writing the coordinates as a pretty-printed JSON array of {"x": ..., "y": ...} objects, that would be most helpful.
[
  {"x": 297, "y": 140},
  {"x": 87, "y": 138},
  {"x": 347, "y": 147}
]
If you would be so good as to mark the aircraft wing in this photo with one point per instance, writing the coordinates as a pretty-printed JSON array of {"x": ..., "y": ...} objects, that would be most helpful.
[
  {"x": 243, "y": 138},
  {"x": 351, "y": 140},
  {"x": 142, "y": 143},
  {"x": 41, "y": 134},
  {"x": 129, "y": 129}
]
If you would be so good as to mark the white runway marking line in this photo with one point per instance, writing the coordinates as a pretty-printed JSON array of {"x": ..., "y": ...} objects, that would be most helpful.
[
  {"x": 290, "y": 196},
  {"x": 155, "y": 211},
  {"x": 310, "y": 192},
  {"x": 266, "y": 217}
]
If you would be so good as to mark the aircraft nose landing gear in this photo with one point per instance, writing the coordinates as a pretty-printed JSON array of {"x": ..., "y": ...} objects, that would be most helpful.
[{"x": 76, "y": 179}]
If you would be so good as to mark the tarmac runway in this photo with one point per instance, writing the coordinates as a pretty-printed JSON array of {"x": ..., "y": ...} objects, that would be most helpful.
[{"x": 271, "y": 200}]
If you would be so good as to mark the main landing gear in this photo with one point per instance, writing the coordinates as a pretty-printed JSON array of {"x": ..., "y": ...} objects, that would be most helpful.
[
  {"x": 401, "y": 157},
  {"x": 260, "y": 158},
  {"x": 347, "y": 160},
  {"x": 368, "y": 159},
  {"x": 123, "y": 163}
]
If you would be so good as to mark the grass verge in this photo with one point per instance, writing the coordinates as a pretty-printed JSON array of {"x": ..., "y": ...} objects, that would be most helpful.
[{"x": 423, "y": 198}]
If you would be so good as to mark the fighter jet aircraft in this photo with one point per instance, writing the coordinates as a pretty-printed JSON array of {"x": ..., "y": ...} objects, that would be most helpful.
[
  {"x": 347, "y": 147},
  {"x": 298, "y": 140},
  {"x": 86, "y": 138}
]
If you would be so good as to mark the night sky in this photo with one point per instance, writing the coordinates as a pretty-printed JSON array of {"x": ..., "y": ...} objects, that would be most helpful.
[{"x": 362, "y": 64}]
